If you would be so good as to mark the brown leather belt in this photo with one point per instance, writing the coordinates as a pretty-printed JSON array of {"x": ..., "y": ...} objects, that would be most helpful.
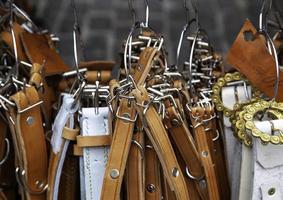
[
  {"x": 185, "y": 144},
  {"x": 119, "y": 151},
  {"x": 31, "y": 156},
  {"x": 135, "y": 167},
  {"x": 152, "y": 173},
  {"x": 158, "y": 136},
  {"x": 198, "y": 117}
]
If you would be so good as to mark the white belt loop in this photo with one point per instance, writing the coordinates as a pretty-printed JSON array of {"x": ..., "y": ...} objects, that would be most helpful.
[{"x": 94, "y": 158}]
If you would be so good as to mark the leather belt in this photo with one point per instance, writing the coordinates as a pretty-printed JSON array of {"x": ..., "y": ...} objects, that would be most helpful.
[
  {"x": 185, "y": 144},
  {"x": 135, "y": 180},
  {"x": 199, "y": 125},
  {"x": 158, "y": 136},
  {"x": 152, "y": 173},
  {"x": 31, "y": 157},
  {"x": 94, "y": 126},
  {"x": 119, "y": 150},
  {"x": 63, "y": 132}
]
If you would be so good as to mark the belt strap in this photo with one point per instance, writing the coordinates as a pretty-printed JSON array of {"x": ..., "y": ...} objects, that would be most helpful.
[
  {"x": 158, "y": 136},
  {"x": 186, "y": 146},
  {"x": 119, "y": 151},
  {"x": 135, "y": 166},
  {"x": 267, "y": 165},
  {"x": 197, "y": 117},
  {"x": 31, "y": 155},
  {"x": 152, "y": 173},
  {"x": 94, "y": 158},
  {"x": 60, "y": 144}
]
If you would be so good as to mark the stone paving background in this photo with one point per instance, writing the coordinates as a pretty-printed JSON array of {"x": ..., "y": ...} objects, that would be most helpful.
[{"x": 106, "y": 23}]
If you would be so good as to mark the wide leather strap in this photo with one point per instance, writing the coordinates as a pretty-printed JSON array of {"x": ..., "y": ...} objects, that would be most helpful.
[
  {"x": 158, "y": 136},
  {"x": 119, "y": 151},
  {"x": 95, "y": 156},
  {"x": 197, "y": 119},
  {"x": 39, "y": 50},
  {"x": 185, "y": 144},
  {"x": 32, "y": 156},
  {"x": 267, "y": 164},
  {"x": 232, "y": 146},
  {"x": 152, "y": 173},
  {"x": 134, "y": 177},
  {"x": 62, "y": 128}
]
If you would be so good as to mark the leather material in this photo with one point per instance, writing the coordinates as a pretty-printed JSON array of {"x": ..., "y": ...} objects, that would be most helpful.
[
  {"x": 152, "y": 173},
  {"x": 233, "y": 146},
  {"x": 252, "y": 59},
  {"x": 185, "y": 144},
  {"x": 197, "y": 117},
  {"x": 135, "y": 170},
  {"x": 95, "y": 158},
  {"x": 7, "y": 37},
  {"x": 59, "y": 144},
  {"x": 161, "y": 143},
  {"x": 38, "y": 50},
  {"x": 267, "y": 165},
  {"x": 120, "y": 147},
  {"x": 24, "y": 136}
]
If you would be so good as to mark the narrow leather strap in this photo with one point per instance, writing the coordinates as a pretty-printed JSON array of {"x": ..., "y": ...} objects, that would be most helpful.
[
  {"x": 186, "y": 146},
  {"x": 219, "y": 158},
  {"x": 34, "y": 163},
  {"x": 94, "y": 141},
  {"x": 152, "y": 173},
  {"x": 120, "y": 147},
  {"x": 157, "y": 134},
  {"x": 197, "y": 117},
  {"x": 134, "y": 176}
]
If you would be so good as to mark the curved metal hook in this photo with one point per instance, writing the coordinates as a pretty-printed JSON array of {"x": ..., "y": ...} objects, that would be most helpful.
[
  {"x": 22, "y": 182},
  {"x": 265, "y": 8},
  {"x": 76, "y": 29},
  {"x": 7, "y": 152},
  {"x": 146, "y": 13},
  {"x": 274, "y": 53}
]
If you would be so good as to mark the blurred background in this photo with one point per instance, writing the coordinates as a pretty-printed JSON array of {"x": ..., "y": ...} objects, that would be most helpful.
[{"x": 106, "y": 23}]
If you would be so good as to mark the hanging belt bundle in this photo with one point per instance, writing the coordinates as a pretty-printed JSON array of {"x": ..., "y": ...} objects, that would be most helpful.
[{"x": 151, "y": 131}]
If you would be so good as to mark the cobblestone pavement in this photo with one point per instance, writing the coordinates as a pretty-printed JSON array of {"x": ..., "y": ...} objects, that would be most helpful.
[{"x": 105, "y": 23}]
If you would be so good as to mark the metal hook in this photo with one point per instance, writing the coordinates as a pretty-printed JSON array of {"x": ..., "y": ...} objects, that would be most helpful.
[
  {"x": 76, "y": 30},
  {"x": 22, "y": 182},
  {"x": 7, "y": 152},
  {"x": 16, "y": 68},
  {"x": 146, "y": 13},
  {"x": 263, "y": 15}
]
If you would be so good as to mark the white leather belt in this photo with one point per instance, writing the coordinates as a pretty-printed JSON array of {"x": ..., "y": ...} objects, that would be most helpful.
[
  {"x": 65, "y": 114},
  {"x": 94, "y": 160},
  {"x": 267, "y": 165},
  {"x": 237, "y": 154}
]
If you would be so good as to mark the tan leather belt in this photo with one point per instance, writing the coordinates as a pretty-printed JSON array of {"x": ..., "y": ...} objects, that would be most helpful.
[
  {"x": 119, "y": 151},
  {"x": 152, "y": 173},
  {"x": 31, "y": 156},
  {"x": 135, "y": 182},
  {"x": 198, "y": 115},
  {"x": 185, "y": 144},
  {"x": 161, "y": 143}
]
